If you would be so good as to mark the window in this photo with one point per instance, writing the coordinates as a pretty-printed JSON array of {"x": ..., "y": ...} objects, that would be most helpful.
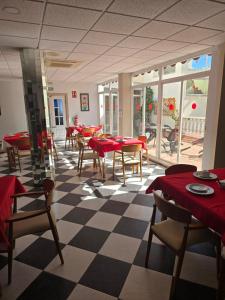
[{"x": 58, "y": 109}]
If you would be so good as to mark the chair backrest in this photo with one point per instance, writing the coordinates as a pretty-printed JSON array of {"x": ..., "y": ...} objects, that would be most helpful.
[
  {"x": 180, "y": 168},
  {"x": 69, "y": 131},
  {"x": 131, "y": 148},
  {"x": 105, "y": 135},
  {"x": 23, "y": 143},
  {"x": 80, "y": 144},
  {"x": 88, "y": 130},
  {"x": 171, "y": 210},
  {"x": 48, "y": 187},
  {"x": 142, "y": 138}
]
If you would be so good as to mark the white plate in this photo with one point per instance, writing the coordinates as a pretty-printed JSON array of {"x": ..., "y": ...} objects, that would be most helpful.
[
  {"x": 211, "y": 176},
  {"x": 200, "y": 189}
]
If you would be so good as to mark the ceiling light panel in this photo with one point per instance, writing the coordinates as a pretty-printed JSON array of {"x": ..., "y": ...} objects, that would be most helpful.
[
  {"x": 92, "y": 49},
  {"x": 70, "y": 16},
  {"x": 193, "y": 34},
  {"x": 157, "y": 29},
  {"x": 56, "y": 45},
  {"x": 102, "y": 38},
  {"x": 216, "y": 22},
  {"x": 96, "y": 4},
  {"x": 144, "y": 8},
  {"x": 118, "y": 24},
  {"x": 191, "y": 11},
  {"x": 62, "y": 34},
  {"x": 29, "y": 11}
]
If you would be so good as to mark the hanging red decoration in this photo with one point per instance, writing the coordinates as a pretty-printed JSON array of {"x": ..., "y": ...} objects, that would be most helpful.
[
  {"x": 194, "y": 105},
  {"x": 171, "y": 107},
  {"x": 138, "y": 107},
  {"x": 150, "y": 106}
]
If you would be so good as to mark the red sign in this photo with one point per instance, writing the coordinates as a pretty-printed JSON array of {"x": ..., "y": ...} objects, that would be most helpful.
[{"x": 74, "y": 94}]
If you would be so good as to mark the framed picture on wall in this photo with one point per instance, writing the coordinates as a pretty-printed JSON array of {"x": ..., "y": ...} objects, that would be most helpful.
[{"x": 84, "y": 102}]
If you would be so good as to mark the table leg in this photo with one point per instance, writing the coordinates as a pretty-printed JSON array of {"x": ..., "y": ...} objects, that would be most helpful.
[{"x": 103, "y": 167}]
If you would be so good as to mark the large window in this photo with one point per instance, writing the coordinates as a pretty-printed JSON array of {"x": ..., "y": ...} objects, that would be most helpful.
[{"x": 137, "y": 112}]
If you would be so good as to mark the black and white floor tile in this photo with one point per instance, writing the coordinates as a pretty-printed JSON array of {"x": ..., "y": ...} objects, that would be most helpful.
[{"x": 103, "y": 228}]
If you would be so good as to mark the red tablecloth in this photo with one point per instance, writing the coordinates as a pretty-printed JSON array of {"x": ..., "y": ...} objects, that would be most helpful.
[
  {"x": 111, "y": 144},
  {"x": 210, "y": 210},
  {"x": 9, "y": 185},
  {"x": 81, "y": 129}
]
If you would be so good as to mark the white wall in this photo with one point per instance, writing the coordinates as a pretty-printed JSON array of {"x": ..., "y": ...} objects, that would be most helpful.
[
  {"x": 90, "y": 117},
  {"x": 13, "y": 117}
]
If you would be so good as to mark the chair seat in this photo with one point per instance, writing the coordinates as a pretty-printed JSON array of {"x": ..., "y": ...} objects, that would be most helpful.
[
  {"x": 90, "y": 155},
  {"x": 172, "y": 233},
  {"x": 33, "y": 225},
  {"x": 130, "y": 160},
  {"x": 24, "y": 152}
]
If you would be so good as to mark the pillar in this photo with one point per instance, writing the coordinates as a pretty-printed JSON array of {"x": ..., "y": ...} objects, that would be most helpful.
[
  {"x": 35, "y": 109},
  {"x": 125, "y": 104}
]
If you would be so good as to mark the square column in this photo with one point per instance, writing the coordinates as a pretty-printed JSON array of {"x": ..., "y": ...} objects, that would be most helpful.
[{"x": 125, "y": 104}]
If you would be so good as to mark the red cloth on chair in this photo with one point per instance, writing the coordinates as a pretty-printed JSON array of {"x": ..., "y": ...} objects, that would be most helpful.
[
  {"x": 9, "y": 185},
  {"x": 210, "y": 210},
  {"x": 81, "y": 129},
  {"x": 111, "y": 144}
]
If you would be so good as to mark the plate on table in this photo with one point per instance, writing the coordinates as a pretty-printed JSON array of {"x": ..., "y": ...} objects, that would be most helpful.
[
  {"x": 205, "y": 175},
  {"x": 120, "y": 140},
  {"x": 200, "y": 189}
]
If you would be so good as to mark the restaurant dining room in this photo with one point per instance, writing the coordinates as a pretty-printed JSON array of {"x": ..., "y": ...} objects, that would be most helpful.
[{"x": 112, "y": 160}]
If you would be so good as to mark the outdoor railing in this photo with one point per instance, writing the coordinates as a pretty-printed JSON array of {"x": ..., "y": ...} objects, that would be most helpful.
[{"x": 193, "y": 125}]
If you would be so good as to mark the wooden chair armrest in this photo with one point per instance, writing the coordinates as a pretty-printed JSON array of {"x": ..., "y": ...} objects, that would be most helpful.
[
  {"x": 197, "y": 226},
  {"x": 17, "y": 217},
  {"x": 27, "y": 194}
]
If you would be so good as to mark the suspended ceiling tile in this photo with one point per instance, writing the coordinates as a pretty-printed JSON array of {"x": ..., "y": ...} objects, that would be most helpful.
[
  {"x": 70, "y": 16},
  {"x": 143, "y": 8},
  {"x": 56, "y": 45},
  {"x": 28, "y": 11},
  {"x": 19, "y": 29},
  {"x": 157, "y": 29},
  {"x": 191, "y": 11},
  {"x": 193, "y": 34},
  {"x": 215, "y": 40},
  {"x": 109, "y": 58},
  {"x": 118, "y": 24},
  {"x": 168, "y": 46},
  {"x": 62, "y": 34},
  {"x": 12, "y": 41},
  {"x": 119, "y": 51},
  {"x": 92, "y": 49},
  {"x": 216, "y": 22},
  {"x": 193, "y": 48},
  {"x": 137, "y": 42},
  {"x": 102, "y": 38},
  {"x": 82, "y": 56},
  {"x": 147, "y": 53},
  {"x": 93, "y": 4}
]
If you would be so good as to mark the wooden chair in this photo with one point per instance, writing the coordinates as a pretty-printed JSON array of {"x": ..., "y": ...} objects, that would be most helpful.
[
  {"x": 30, "y": 222},
  {"x": 221, "y": 279},
  {"x": 49, "y": 146},
  {"x": 131, "y": 155},
  {"x": 86, "y": 155},
  {"x": 88, "y": 132},
  {"x": 105, "y": 135},
  {"x": 69, "y": 137},
  {"x": 178, "y": 232},
  {"x": 11, "y": 157},
  {"x": 180, "y": 168},
  {"x": 22, "y": 149},
  {"x": 144, "y": 139}
]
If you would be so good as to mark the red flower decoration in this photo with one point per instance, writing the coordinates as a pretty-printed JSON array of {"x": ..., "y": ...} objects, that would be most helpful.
[
  {"x": 150, "y": 106},
  {"x": 171, "y": 107},
  {"x": 194, "y": 106},
  {"x": 138, "y": 107}
]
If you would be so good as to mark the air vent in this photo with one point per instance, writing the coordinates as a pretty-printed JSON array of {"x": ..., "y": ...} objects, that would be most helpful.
[{"x": 66, "y": 64}]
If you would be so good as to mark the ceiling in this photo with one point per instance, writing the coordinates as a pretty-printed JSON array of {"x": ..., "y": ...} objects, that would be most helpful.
[{"x": 107, "y": 36}]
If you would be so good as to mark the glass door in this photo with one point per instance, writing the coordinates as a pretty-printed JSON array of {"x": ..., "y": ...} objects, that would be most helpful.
[
  {"x": 115, "y": 114},
  {"x": 169, "y": 142},
  {"x": 57, "y": 115},
  {"x": 138, "y": 112},
  {"x": 195, "y": 94},
  {"x": 107, "y": 113}
]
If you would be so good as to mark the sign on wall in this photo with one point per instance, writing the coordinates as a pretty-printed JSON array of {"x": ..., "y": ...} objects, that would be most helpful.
[{"x": 74, "y": 94}]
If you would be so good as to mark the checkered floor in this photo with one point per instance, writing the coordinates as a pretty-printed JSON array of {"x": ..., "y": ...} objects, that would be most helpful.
[{"x": 103, "y": 228}]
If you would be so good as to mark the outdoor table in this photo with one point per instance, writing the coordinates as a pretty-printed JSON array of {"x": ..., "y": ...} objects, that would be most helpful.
[
  {"x": 9, "y": 185},
  {"x": 111, "y": 144}
]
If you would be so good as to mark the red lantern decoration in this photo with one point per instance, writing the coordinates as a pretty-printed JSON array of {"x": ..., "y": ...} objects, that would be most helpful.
[
  {"x": 150, "y": 106},
  {"x": 194, "y": 105},
  {"x": 138, "y": 107},
  {"x": 171, "y": 107}
]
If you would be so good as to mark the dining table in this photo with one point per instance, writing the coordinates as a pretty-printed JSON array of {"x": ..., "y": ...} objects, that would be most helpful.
[
  {"x": 82, "y": 129},
  {"x": 104, "y": 145},
  {"x": 9, "y": 185}
]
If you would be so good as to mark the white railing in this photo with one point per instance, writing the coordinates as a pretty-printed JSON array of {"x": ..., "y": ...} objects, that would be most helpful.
[{"x": 193, "y": 125}]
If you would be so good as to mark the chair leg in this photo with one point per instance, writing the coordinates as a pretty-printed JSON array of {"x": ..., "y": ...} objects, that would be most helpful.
[
  {"x": 56, "y": 154},
  {"x": 218, "y": 255},
  {"x": 124, "y": 180},
  {"x": 114, "y": 158},
  {"x": 221, "y": 283},
  {"x": 19, "y": 162},
  {"x": 81, "y": 162},
  {"x": 177, "y": 274},
  {"x": 10, "y": 259},
  {"x": 56, "y": 239},
  {"x": 65, "y": 143},
  {"x": 141, "y": 170},
  {"x": 148, "y": 248},
  {"x": 99, "y": 163}
]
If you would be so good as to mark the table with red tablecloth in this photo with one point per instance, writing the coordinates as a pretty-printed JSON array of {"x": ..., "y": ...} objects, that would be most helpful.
[
  {"x": 210, "y": 210},
  {"x": 81, "y": 129},
  {"x": 9, "y": 185},
  {"x": 112, "y": 144}
]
